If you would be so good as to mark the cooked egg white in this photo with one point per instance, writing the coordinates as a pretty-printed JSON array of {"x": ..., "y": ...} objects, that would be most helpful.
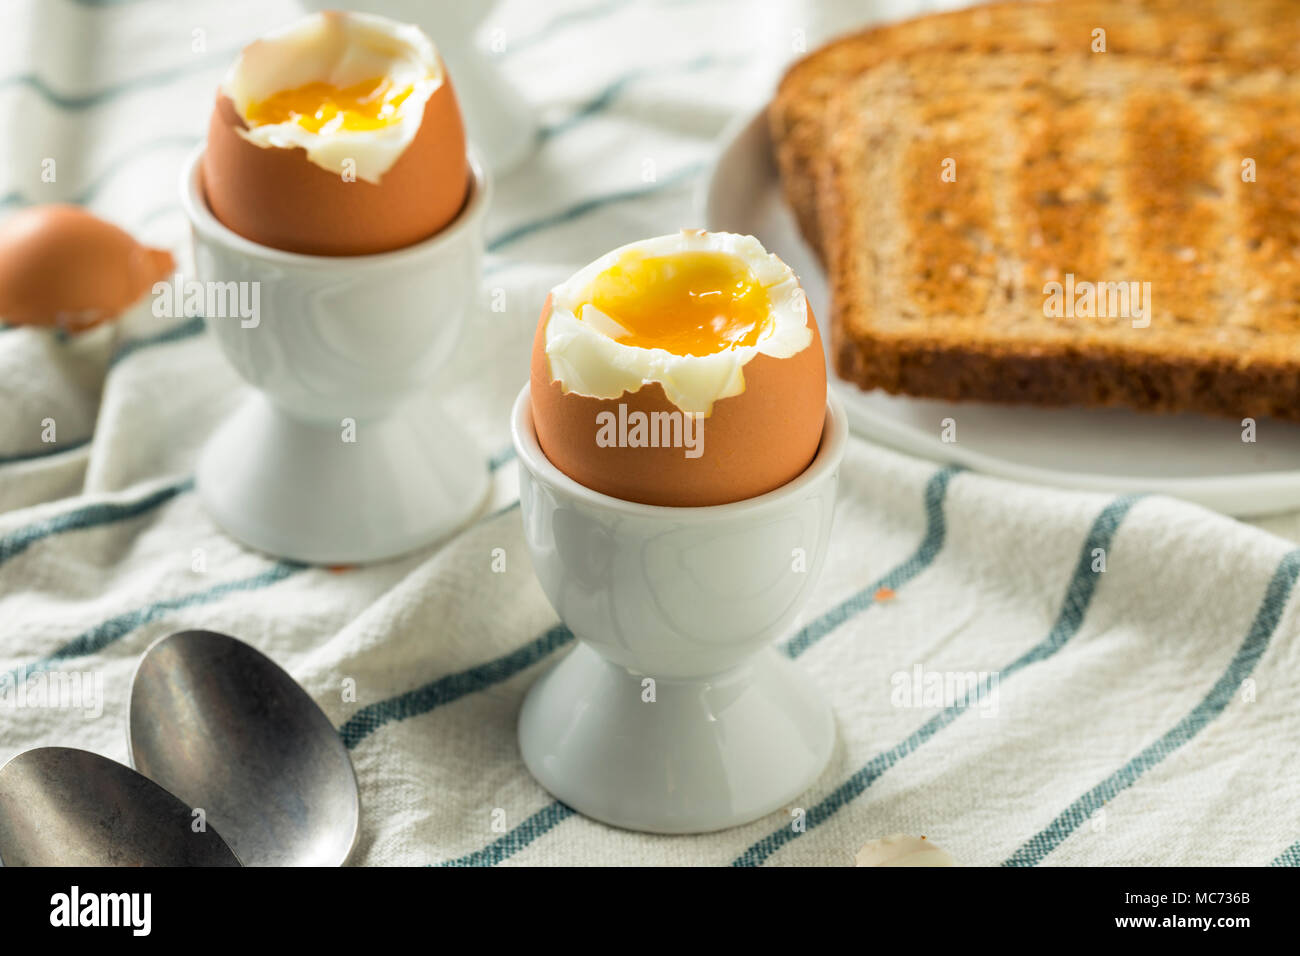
[
  {"x": 603, "y": 319},
  {"x": 350, "y": 89}
]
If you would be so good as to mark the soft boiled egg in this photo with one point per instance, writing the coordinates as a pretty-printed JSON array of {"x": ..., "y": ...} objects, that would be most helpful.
[
  {"x": 684, "y": 370},
  {"x": 337, "y": 135}
]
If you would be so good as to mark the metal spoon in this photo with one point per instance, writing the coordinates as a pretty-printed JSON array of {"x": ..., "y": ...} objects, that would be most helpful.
[
  {"x": 66, "y": 807},
  {"x": 222, "y": 726}
]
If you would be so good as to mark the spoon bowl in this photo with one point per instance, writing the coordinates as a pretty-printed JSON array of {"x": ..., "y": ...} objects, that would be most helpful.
[
  {"x": 223, "y": 727},
  {"x": 66, "y": 807}
]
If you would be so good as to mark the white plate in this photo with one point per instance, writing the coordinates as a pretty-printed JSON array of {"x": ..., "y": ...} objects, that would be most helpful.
[{"x": 1192, "y": 457}]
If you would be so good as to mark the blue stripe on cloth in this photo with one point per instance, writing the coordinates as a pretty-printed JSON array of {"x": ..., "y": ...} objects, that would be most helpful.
[
  {"x": 115, "y": 628},
  {"x": 539, "y": 824},
  {"x": 503, "y": 510},
  {"x": 1037, "y": 847},
  {"x": 1078, "y": 596},
  {"x": 563, "y": 21},
  {"x": 113, "y": 167},
  {"x": 177, "y": 333},
  {"x": 589, "y": 110},
  {"x": 48, "y": 451},
  {"x": 214, "y": 63},
  {"x": 606, "y": 97},
  {"x": 450, "y": 688},
  {"x": 935, "y": 491},
  {"x": 1288, "y": 857},
  {"x": 88, "y": 516},
  {"x": 581, "y": 209},
  {"x": 501, "y": 458},
  {"x": 596, "y": 11}
]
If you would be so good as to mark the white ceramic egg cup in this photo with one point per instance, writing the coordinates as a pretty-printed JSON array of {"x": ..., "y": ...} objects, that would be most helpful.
[
  {"x": 691, "y": 599},
  {"x": 344, "y": 348}
]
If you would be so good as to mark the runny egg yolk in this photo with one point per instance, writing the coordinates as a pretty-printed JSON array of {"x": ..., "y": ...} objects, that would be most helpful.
[
  {"x": 324, "y": 108},
  {"x": 688, "y": 303}
]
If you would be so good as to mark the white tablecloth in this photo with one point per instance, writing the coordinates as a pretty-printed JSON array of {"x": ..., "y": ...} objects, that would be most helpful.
[{"x": 1145, "y": 713}]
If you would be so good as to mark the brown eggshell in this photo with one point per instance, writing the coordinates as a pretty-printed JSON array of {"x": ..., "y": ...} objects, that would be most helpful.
[
  {"x": 279, "y": 198},
  {"x": 754, "y": 442},
  {"x": 60, "y": 265}
]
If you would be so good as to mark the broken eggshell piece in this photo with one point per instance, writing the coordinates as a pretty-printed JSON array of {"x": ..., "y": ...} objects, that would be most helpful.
[
  {"x": 61, "y": 266},
  {"x": 902, "y": 849}
]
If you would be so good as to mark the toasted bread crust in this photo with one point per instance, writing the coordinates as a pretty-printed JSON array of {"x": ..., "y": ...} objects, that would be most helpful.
[
  {"x": 1115, "y": 169},
  {"x": 1088, "y": 375}
]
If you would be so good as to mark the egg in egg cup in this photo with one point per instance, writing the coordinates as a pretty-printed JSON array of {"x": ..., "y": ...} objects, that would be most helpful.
[
  {"x": 337, "y": 178},
  {"x": 677, "y": 571}
]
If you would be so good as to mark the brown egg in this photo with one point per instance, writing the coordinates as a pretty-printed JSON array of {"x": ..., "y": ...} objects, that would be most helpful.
[
  {"x": 753, "y": 442},
  {"x": 277, "y": 196},
  {"x": 62, "y": 266}
]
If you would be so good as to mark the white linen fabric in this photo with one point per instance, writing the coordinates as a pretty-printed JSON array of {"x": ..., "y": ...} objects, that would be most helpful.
[{"x": 1141, "y": 714}]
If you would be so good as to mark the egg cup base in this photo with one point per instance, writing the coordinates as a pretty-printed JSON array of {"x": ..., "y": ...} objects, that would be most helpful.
[
  {"x": 705, "y": 755},
  {"x": 301, "y": 491}
]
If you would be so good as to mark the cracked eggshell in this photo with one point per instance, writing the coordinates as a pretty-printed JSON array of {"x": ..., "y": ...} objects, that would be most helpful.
[
  {"x": 754, "y": 442},
  {"x": 276, "y": 196},
  {"x": 903, "y": 849},
  {"x": 62, "y": 266}
]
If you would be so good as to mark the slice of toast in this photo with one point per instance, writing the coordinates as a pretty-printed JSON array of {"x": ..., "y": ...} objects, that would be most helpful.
[
  {"x": 957, "y": 187},
  {"x": 1250, "y": 32}
]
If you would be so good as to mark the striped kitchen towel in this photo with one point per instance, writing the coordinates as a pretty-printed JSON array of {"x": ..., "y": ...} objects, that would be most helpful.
[{"x": 1127, "y": 663}]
